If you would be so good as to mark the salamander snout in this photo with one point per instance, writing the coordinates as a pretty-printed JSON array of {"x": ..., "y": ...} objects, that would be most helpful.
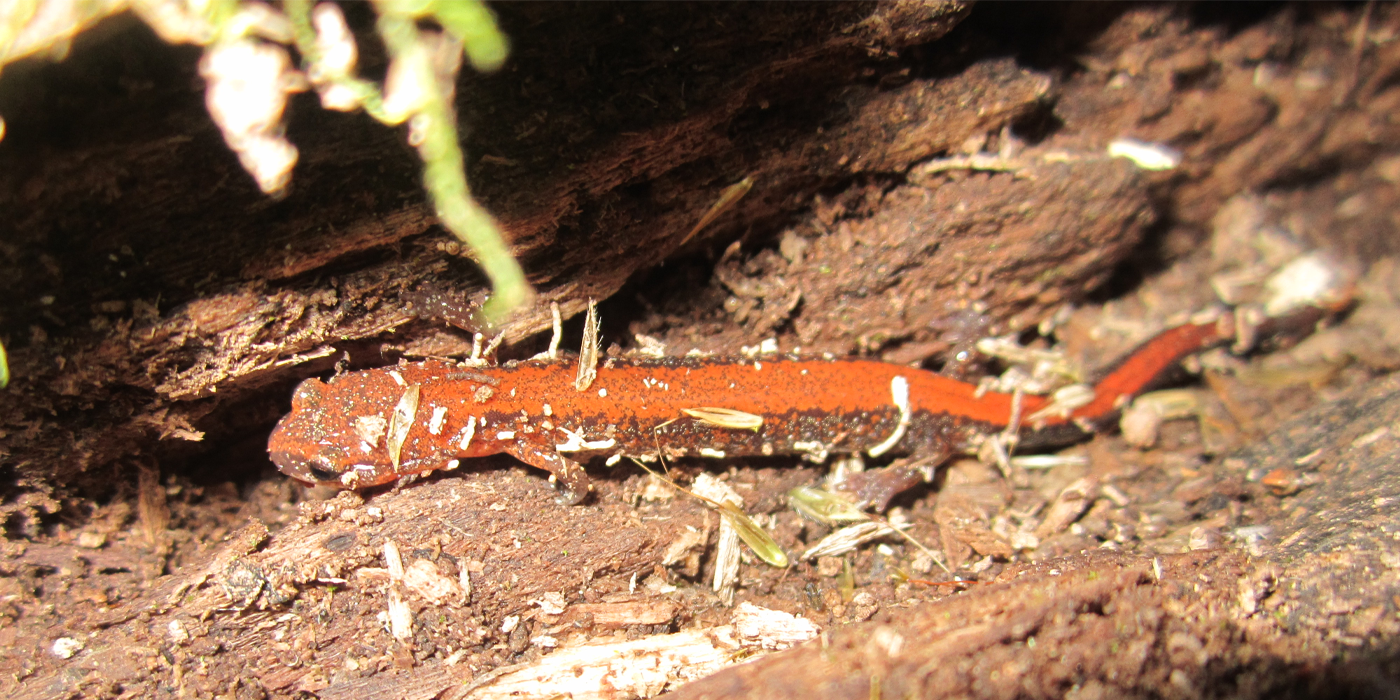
[{"x": 303, "y": 468}]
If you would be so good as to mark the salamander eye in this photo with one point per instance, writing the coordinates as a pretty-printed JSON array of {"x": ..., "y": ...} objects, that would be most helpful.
[
  {"x": 321, "y": 473},
  {"x": 298, "y": 467}
]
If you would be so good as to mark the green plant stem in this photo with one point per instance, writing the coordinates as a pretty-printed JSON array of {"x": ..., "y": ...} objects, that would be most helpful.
[
  {"x": 444, "y": 173},
  {"x": 366, "y": 92}
]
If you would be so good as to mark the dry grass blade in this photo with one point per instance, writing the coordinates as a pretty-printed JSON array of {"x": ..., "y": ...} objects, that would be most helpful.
[{"x": 725, "y": 418}]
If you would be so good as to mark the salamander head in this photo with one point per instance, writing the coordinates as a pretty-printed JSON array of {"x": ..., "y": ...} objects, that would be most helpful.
[{"x": 321, "y": 442}]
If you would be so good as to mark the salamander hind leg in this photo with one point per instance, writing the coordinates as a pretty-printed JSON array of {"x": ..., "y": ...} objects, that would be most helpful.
[
  {"x": 568, "y": 474},
  {"x": 875, "y": 488}
]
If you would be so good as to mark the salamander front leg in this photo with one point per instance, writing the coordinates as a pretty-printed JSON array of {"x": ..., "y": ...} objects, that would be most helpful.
[{"x": 566, "y": 473}]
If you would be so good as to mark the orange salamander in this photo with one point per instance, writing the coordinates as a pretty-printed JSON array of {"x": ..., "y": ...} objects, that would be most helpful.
[{"x": 371, "y": 427}]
